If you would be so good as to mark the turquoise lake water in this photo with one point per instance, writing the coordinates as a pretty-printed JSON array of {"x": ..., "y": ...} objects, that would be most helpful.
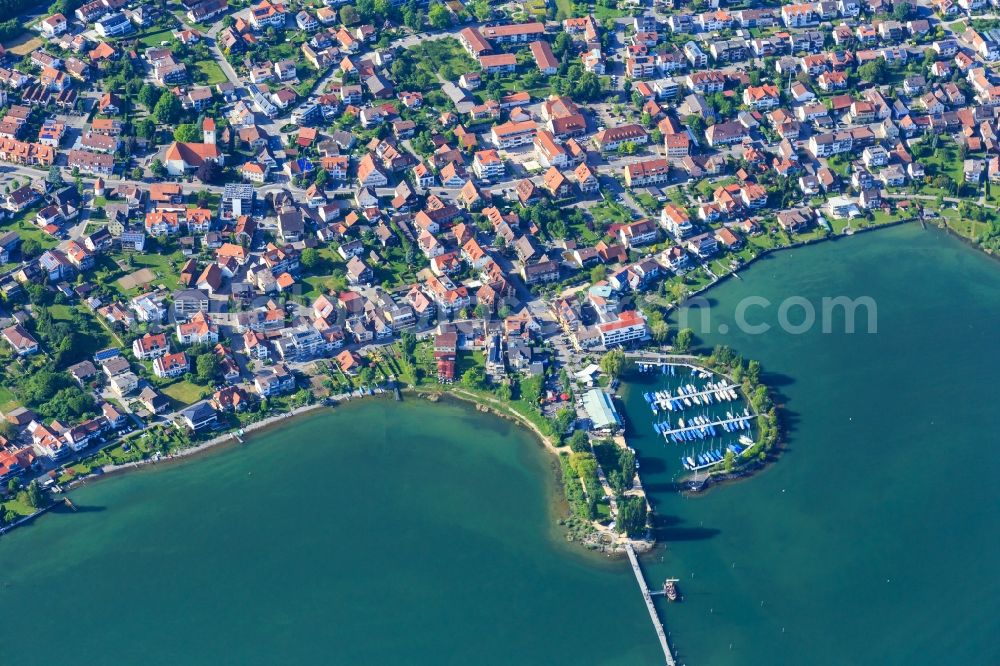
[{"x": 416, "y": 533}]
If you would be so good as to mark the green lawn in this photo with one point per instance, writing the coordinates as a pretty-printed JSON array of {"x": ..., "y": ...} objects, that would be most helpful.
[
  {"x": 61, "y": 312},
  {"x": 564, "y": 8},
  {"x": 944, "y": 161},
  {"x": 24, "y": 225},
  {"x": 608, "y": 212},
  {"x": 7, "y": 399},
  {"x": 601, "y": 12},
  {"x": 213, "y": 73},
  {"x": 153, "y": 39},
  {"x": 166, "y": 266},
  {"x": 427, "y": 60},
  {"x": 183, "y": 391},
  {"x": 646, "y": 201},
  {"x": 305, "y": 85},
  {"x": 466, "y": 360},
  {"x": 963, "y": 225},
  {"x": 19, "y": 507}
]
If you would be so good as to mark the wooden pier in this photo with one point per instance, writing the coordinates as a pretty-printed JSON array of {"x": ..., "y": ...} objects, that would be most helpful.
[{"x": 648, "y": 598}]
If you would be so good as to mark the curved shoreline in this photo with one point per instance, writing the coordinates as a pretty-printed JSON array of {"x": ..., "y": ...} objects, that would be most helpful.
[
  {"x": 494, "y": 407},
  {"x": 202, "y": 447},
  {"x": 480, "y": 403},
  {"x": 487, "y": 404},
  {"x": 796, "y": 245}
]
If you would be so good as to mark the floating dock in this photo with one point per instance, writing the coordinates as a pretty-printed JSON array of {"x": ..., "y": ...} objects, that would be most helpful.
[
  {"x": 687, "y": 398},
  {"x": 648, "y": 598},
  {"x": 738, "y": 420}
]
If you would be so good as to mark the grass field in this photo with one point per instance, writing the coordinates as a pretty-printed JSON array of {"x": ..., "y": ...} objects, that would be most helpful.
[
  {"x": 167, "y": 267},
  {"x": 26, "y": 228},
  {"x": 444, "y": 57},
  {"x": 963, "y": 225},
  {"x": 183, "y": 392},
  {"x": 213, "y": 73},
  {"x": 601, "y": 12},
  {"x": 19, "y": 507},
  {"x": 7, "y": 399},
  {"x": 564, "y": 9},
  {"x": 608, "y": 213},
  {"x": 61, "y": 312},
  {"x": 154, "y": 38}
]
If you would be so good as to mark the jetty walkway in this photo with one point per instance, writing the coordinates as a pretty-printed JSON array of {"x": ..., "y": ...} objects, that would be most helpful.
[
  {"x": 648, "y": 598},
  {"x": 718, "y": 392},
  {"x": 735, "y": 419}
]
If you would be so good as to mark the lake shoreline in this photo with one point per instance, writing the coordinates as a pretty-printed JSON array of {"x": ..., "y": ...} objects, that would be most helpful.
[
  {"x": 230, "y": 437},
  {"x": 748, "y": 471},
  {"x": 489, "y": 406},
  {"x": 215, "y": 444},
  {"x": 229, "y": 440}
]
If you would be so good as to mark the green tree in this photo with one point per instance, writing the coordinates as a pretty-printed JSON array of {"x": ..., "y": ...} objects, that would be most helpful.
[
  {"x": 481, "y": 10},
  {"x": 37, "y": 497},
  {"x": 349, "y": 15},
  {"x": 145, "y": 129},
  {"x": 186, "y": 133},
  {"x": 873, "y": 71},
  {"x": 157, "y": 169},
  {"x": 149, "y": 95},
  {"x": 579, "y": 442},
  {"x": 626, "y": 464},
  {"x": 31, "y": 248},
  {"x": 564, "y": 418},
  {"x": 54, "y": 177},
  {"x": 474, "y": 378},
  {"x": 408, "y": 343},
  {"x": 685, "y": 337},
  {"x": 504, "y": 392},
  {"x": 413, "y": 17},
  {"x": 167, "y": 110},
  {"x": 660, "y": 332},
  {"x": 439, "y": 16},
  {"x": 613, "y": 363},
  {"x": 206, "y": 367},
  {"x": 310, "y": 258},
  {"x": 631, "y": 516}
]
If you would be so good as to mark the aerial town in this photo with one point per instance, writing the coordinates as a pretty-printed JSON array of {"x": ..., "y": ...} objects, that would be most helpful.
[{"x": 212, "y": 210}]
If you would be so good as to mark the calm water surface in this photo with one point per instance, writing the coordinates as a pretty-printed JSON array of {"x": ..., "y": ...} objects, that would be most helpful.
[
  {"x": 871, "y": 539},
  {"x": 379, "y": 533},
  {"x": 418, "y": 533}
]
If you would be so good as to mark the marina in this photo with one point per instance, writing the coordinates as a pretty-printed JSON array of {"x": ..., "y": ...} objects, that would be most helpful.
[{"x": 713, "y": 424}]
